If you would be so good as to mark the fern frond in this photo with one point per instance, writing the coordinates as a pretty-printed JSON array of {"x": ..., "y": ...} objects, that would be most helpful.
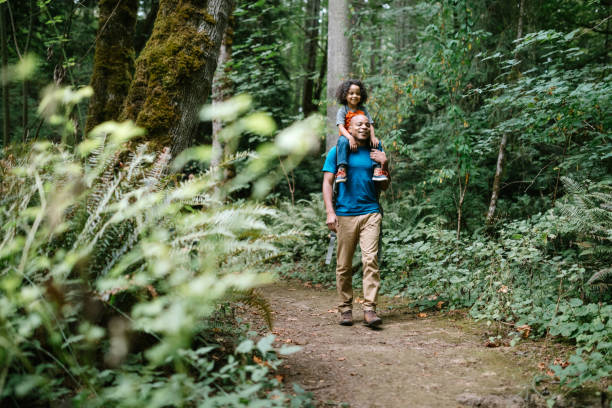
[
  {"x": 155, "y": 173},
  {"x": 603, "y": 276},
  {"x": 255, "y": 299}
]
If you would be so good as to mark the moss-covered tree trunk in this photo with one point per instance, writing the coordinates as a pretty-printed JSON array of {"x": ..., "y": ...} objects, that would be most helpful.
[
  {"x": 113, "y": 60},
  {"x": 175, "y": 69}
]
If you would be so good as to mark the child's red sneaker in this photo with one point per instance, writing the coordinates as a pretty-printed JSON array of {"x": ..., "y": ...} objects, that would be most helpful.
[
  {"x": 341, "y": 175},
  {"x": 379, "y": 174}
]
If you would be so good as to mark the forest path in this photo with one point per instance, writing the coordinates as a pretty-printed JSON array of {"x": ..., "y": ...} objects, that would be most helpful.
[{"x": 436, "y": 361}]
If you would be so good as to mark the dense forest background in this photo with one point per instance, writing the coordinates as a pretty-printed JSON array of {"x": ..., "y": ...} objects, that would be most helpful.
[{"x": 496, "y": 115}]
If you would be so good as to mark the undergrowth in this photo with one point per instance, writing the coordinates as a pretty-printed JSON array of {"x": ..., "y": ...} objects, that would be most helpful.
[
  {"x": 547, "y": 275},
  {"x": 114, "y": 269}
]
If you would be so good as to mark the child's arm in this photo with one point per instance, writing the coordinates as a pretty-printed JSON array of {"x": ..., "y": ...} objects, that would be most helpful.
[
  {"x": 351, "y": 139},
  {"x": 373, "y": 140}
]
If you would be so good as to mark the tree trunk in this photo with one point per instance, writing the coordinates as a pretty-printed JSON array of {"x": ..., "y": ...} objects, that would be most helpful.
[
  {"x": 5, "y": 86},
  {"x": 320, "y": 80},
  {"x": 113, "y": 60},
  {"x": 310, "y": 49},
  {"x": 497, "y": 179},
  {"x": 519, "y": 28},
  {"x": 174, "y": 72},
  {"x": 222, "y": 89},
  {"x": 339, "y": 51},
  {"x": 25, "y": 85},
  {"x": 462, "y": 191},
  {"x": 499, "y": 169}
]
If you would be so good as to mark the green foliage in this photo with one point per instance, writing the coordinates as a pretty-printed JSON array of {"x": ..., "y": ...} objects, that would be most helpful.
[
  {"x": 110, "y": 265},
  {"x": 532, "y": 274},
  {"x": 306, "y": 241}
]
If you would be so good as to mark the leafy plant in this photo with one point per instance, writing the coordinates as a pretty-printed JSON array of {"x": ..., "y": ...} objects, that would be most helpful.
[{"x": 110, "y": 262}]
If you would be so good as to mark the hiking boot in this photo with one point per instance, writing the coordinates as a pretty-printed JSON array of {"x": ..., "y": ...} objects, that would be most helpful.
[
  {"x": 346, "y": 318},
  {"x": 370, "y": 318},
  {"x": 379, "y": 174},
  {"x": 341, "y": 175}
]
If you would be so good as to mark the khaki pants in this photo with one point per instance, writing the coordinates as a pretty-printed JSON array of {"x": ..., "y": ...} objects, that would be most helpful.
[{"x": 365, "y": 230}]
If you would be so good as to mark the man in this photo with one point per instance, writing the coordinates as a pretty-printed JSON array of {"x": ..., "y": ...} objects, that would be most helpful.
[{"x": 356, "y": 218}]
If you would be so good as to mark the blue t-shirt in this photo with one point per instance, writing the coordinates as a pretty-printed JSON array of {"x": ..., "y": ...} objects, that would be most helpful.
[{"x": 358, "y": 195}]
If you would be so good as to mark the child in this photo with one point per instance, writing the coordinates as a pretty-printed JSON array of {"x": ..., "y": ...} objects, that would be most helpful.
[{"x": 352, "y": 95}]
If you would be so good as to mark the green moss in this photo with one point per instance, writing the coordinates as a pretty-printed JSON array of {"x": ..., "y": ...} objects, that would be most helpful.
[{"x": 173, "y": 54}]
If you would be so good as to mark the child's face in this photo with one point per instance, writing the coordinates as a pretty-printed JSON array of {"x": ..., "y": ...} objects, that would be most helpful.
[{"x": 354, "y": 95}]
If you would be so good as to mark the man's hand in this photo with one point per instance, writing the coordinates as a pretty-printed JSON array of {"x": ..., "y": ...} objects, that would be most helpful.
[
  {"x": 378, "y": 156},
  {"x": 352, "y": 143},
  {"x": 332, "y": 221}
]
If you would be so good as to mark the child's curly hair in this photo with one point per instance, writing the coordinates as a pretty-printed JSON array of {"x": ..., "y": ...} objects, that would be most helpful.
[{"x": 344, "y": 88}]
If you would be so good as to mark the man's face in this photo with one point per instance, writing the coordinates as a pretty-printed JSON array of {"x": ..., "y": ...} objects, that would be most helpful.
[{"x": 359, "y": 128}]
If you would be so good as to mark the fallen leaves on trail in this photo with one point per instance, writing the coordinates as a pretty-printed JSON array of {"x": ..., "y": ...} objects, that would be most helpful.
[
  {"x": 308, "y": 284},
  {"x": 279, "y": 378},
  {"x": 331, "y": 311},
  {"x": 543, "y": 366},
  {"x": 261, "y": 362},
  {"x": 341, "y": 358},
  {"x": 492, "y": 343},
  {"x": 422, "y": 315},
  {"x": 560, "y": 362},
  {"x": 503, "y": 289},
  {"x": 439, "y": 304},
  {"x": 524, "y": 330}
]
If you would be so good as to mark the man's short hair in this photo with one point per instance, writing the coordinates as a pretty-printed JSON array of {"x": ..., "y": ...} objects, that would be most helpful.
[{"x": 356, "y": 116}]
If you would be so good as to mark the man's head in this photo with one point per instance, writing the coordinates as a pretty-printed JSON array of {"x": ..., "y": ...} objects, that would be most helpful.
[{"x": 359, "y": 128}]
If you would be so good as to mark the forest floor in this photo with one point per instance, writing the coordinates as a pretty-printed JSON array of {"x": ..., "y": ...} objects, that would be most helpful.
[{"x": 414, "y": 360}]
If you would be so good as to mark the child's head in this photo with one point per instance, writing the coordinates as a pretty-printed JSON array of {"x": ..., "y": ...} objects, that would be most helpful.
[{"x": 349, "y": 86}]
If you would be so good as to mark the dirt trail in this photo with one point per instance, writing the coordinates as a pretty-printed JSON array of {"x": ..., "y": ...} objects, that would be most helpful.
[{"x": 410, "y": 362}]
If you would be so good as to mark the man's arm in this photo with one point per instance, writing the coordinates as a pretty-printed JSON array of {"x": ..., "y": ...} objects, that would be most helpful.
[
  {"x": 328, "y": 191},
  {"x": 381, "y": 157}
]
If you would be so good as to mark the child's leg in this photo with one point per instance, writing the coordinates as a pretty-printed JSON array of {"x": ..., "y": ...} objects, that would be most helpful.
[
  {"x": 379, "y": 174},
  {"x": 379, "y": 147},
  {"x": 342, "y": 151}
]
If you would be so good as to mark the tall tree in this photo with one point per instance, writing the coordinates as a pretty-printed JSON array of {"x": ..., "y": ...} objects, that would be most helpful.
[
  {"x": 310, "y": 49},
  {"x": 499, "y": 168},
  {"x": 113, "y": 60},
  {"x": 174, "y": 71},
  {"x": 339, "y": 58},
  {"x": 222, "y": 87},
  {"x": 4, "y": 79}
]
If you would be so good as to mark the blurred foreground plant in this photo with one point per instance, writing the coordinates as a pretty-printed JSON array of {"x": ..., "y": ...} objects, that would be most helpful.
[{"x": 110, "y": 265}]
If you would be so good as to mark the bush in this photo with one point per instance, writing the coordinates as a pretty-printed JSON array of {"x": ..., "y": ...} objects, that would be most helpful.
[{"x": 111, "y": 265}]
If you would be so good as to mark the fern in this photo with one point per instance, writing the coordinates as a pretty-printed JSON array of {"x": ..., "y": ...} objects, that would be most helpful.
[
  {"x": 601, "y": 277},
  {"x": 255, "y": 299}
]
